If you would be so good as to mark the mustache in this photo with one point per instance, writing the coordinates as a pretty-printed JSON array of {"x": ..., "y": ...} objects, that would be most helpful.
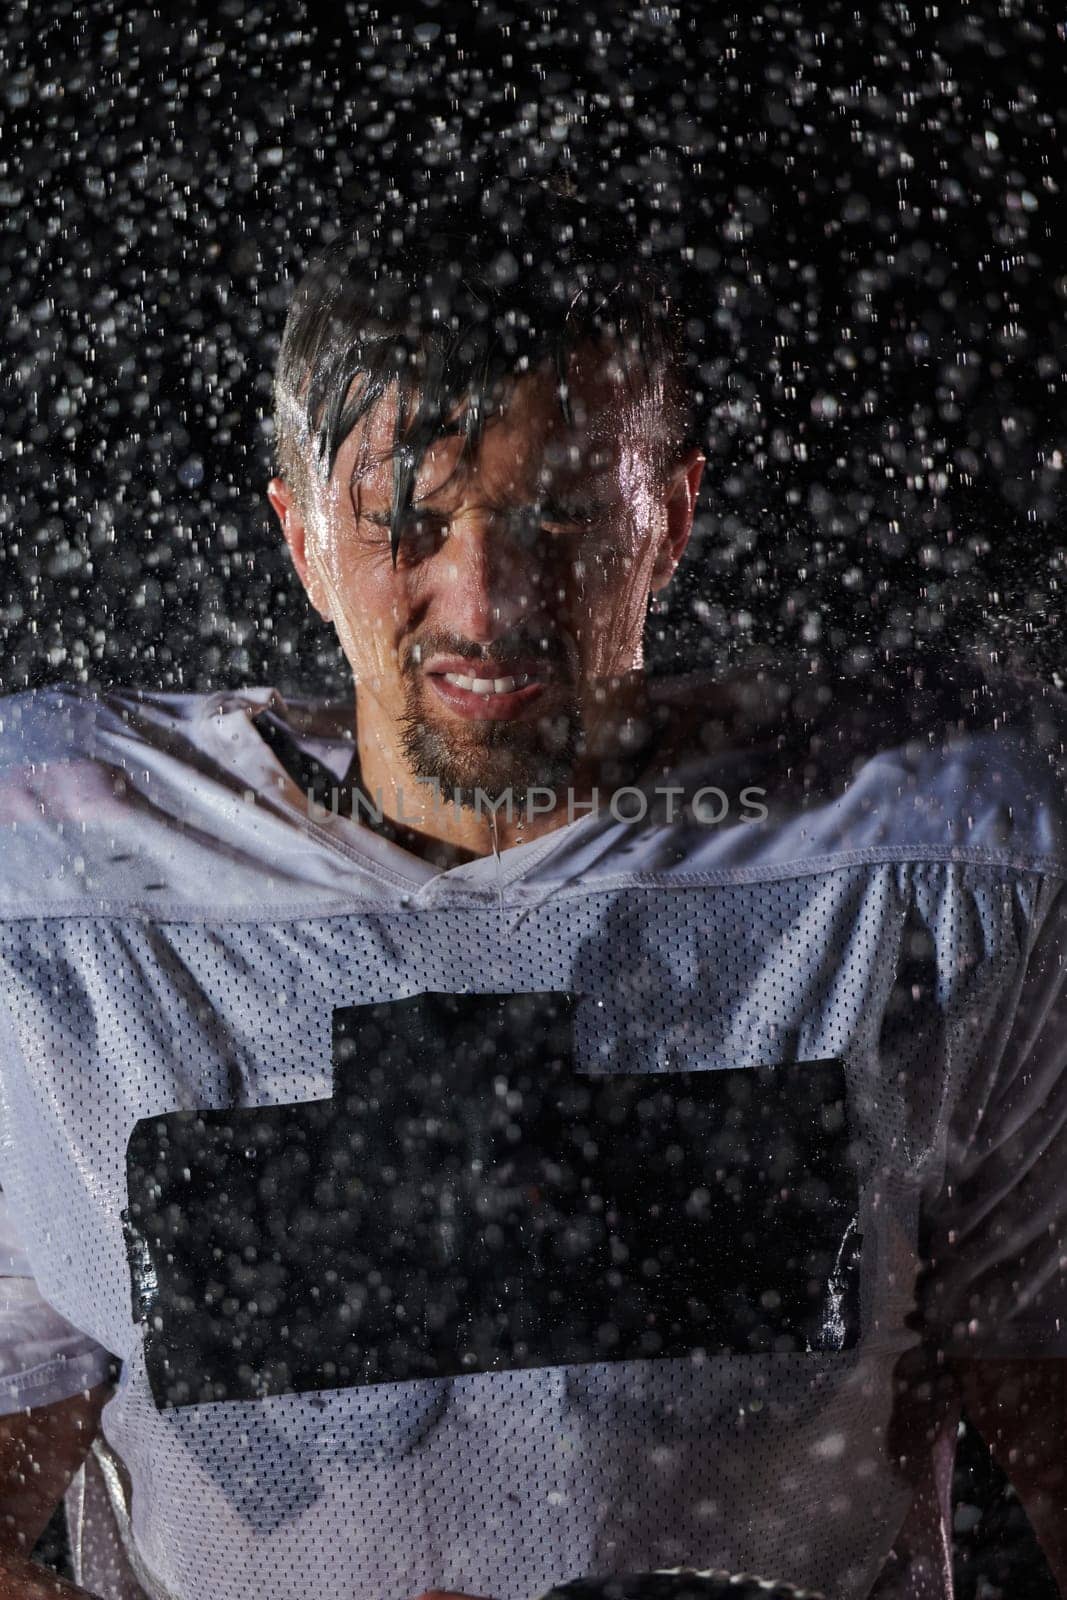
[{"x": 555, "y": 648}]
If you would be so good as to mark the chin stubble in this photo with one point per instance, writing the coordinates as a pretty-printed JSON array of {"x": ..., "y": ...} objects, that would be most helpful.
[{"x": 500, "y": 758}]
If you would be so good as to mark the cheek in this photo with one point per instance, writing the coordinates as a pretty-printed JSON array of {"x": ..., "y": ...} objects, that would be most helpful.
[
  {"x": 612, "y": 579},
  {"x": 374, "y": 606},
  {"x": 610, "y": 602}
]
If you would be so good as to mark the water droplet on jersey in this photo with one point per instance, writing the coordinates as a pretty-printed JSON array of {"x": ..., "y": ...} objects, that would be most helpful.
[{"x": 495, "y": 845}]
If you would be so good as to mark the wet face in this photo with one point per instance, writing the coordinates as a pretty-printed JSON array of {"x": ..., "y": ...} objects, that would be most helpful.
[{"x": 492, "y": 652}]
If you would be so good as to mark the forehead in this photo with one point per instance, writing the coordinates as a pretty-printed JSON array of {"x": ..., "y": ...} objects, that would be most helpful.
[{"x": 528, "y": 436}]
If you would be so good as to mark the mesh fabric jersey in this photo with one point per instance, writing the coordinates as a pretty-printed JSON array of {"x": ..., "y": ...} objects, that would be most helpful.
[{"x": 560, "y": 1214}]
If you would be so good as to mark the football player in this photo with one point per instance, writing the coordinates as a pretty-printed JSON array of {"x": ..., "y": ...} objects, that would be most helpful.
[{"x": 542, "y": 1121}]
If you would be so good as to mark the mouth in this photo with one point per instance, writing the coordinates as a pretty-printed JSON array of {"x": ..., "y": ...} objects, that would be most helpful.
[{"x": 467, "y": 690}]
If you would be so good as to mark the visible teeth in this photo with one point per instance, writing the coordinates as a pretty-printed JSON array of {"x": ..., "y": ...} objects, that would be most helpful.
[{"x": 487, "y": 685}]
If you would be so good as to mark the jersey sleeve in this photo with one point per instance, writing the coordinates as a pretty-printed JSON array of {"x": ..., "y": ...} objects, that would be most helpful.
[
  {"x": 42, "y": 1357},
  {"x": 995, "y": 1281}
]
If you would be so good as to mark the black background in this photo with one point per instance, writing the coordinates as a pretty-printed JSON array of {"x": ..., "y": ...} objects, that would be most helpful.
[{"x": 864, "y": 212}]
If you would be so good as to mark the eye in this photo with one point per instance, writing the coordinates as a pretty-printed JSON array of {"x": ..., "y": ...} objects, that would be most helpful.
[
  {"x": 568, "y": 515},
  {"x": 421, "y": 533}
]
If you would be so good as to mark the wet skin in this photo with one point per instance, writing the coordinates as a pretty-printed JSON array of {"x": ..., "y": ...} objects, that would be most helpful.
[{"x": 500, "y": 650}]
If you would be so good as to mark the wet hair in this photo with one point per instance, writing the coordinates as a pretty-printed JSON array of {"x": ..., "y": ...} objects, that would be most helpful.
[{"x": 450, "y": 304}]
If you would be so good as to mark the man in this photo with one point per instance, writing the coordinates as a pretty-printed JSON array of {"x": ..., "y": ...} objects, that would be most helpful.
[{"x": 556, "y": 1122}]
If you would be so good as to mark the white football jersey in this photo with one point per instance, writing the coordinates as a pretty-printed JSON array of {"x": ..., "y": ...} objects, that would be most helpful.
[{"x": 566, "y": 1212}]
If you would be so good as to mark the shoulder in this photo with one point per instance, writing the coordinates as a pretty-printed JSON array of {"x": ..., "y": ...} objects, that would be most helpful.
[
  {"x": 67, "y": 747},
  {"x": 951, "y": 756},
  {"x": 778, "y": 773},
  {"x": 49, "y": 760},
  {"x": 125, "y": 800}
]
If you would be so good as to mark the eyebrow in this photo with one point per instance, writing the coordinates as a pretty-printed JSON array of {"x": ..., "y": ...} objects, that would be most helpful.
[
  {"x": 553, "y": 501},
  {"x": 566, "y": 484}
]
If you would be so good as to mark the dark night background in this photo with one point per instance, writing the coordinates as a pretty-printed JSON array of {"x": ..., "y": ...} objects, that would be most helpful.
[{"x": 862, "y": 210}]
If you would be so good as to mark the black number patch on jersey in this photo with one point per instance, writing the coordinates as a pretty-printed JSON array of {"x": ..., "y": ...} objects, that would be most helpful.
[{"x": 467, "y": 1201}]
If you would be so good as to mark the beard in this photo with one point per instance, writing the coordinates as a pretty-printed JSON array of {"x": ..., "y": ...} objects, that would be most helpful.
[{"x": 490, "y": 758}]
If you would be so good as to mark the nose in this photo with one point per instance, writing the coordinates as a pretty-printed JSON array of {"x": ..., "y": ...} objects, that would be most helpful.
[{"x": 485, "y": 580}]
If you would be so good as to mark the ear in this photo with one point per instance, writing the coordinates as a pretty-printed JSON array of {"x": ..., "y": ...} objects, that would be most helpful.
[
  {"x": 291, "y": 518},
  {"x": 681, "y": 504}
]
